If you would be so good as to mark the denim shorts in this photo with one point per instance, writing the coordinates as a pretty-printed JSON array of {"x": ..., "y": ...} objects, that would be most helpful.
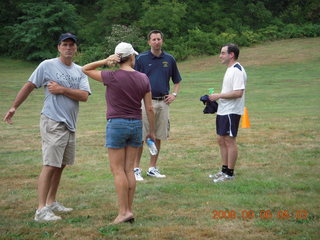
[{"x": 121, "y": 132}]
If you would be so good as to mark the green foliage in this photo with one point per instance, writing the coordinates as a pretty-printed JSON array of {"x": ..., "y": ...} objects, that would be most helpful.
[
  {"x": 7, "y": 18},
  {"x": 165, "y": 16},
  {"x": 296, "y": 31},
  {"x": 226, "y": 37},
  {"x": 248, "y": 37},
  {"x": 269, "y": 33},
  {"x": 256, "y": 16},
  {"x": 36, "y": 33},
  {"x": 111, "y": 12},
  {"x": 292, "y": 31},
  {"x": 204, "y": 15},
  {"x": 119, "y": 33},
  {"x": 202, "y": 43},
  {"x": 191, "y": 27},
  {"x": 178, "y": 48},
  {"x": 301, "y": 12},
  {"x": 90, "y": 54},
  {"x": 311, "y": 30},
  {"x": 99, "y": 18}
]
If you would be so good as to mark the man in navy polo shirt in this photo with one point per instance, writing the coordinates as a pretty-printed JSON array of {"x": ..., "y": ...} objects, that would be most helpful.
[{"x": 160, "y": 67}]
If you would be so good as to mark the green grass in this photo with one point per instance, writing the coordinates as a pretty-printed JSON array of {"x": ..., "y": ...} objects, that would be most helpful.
[{"x": 277, "y": 169}]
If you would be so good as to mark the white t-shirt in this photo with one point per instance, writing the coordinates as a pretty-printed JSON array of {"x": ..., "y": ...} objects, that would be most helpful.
[
  {"x": 235, "y": 78},
  {"x": 59, "y": 107}
]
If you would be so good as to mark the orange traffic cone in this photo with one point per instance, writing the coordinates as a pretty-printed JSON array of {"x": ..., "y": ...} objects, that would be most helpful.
[{"x": 245, "y": 119}]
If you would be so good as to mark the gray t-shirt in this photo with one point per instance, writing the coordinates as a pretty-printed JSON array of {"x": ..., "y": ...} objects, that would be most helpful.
[{"x": 59, "y": 107}]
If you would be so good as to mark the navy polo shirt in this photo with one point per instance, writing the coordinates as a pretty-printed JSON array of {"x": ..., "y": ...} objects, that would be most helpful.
[{"x": 159, "y": 70}]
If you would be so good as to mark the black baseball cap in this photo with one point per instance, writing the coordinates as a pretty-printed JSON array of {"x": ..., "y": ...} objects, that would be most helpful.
[{"x": 65, "y": 36}]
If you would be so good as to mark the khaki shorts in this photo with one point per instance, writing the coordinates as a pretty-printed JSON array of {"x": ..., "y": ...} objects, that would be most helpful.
[
  {"x": 162, "y": 123},
  {"x": 58, "y": 143}
]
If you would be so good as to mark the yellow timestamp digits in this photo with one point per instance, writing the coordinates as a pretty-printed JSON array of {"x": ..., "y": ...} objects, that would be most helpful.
[{"x": 263, "y": 214}]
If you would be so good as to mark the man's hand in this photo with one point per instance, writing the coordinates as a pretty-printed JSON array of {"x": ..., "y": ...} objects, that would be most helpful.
[
  {"x": 21, "y": 96},
  {"x": 74, "y": 94},
  {"x": 55, "y": 88},
  {"x": 8, "y": 117},
  {"x": 214, "y": 97},
  {"x": 229, "y": 95},
  {"x": 169, "y": 99}
]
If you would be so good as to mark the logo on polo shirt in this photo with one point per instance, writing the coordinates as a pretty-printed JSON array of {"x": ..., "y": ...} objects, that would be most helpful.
[{"x": 165, "y": 64}]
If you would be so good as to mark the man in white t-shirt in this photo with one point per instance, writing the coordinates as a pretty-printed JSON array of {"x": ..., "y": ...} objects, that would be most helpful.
[{"x": 230, "y": 109}]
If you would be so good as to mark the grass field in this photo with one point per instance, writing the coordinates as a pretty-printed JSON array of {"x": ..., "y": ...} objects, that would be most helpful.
[{"x": 277, "y": 171}]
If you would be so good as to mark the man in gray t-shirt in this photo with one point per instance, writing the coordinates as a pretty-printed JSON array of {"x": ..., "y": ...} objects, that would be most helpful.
[
  {"x": 64, "y": 85},
  {"x": 59, "y": 107}
]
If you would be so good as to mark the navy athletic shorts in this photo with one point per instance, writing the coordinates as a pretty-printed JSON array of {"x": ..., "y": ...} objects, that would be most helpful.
[{"x": 227, "y": 125}]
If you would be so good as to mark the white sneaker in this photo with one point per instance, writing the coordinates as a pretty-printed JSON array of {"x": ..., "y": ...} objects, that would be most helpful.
[
  {"x": 56, "y": 206},
  {"x": 137, "y": 174},
  {"x": 223, "y": 178},
  {"x": 217, "y": 175},
  {"x": 45, "y": 214},
  {"x": 154, "y": 172}
]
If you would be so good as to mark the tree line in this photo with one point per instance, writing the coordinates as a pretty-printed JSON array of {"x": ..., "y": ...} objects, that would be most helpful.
[{"x": 29, "y": 28}]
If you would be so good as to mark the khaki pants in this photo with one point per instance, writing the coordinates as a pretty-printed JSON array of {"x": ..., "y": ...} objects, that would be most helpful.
[
  {"x": 162, "y": 123},
  {"x": 58, "y": 143}
]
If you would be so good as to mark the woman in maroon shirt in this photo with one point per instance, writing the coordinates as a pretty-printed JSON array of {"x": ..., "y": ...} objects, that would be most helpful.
[{"x": 126, "y": 88}]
